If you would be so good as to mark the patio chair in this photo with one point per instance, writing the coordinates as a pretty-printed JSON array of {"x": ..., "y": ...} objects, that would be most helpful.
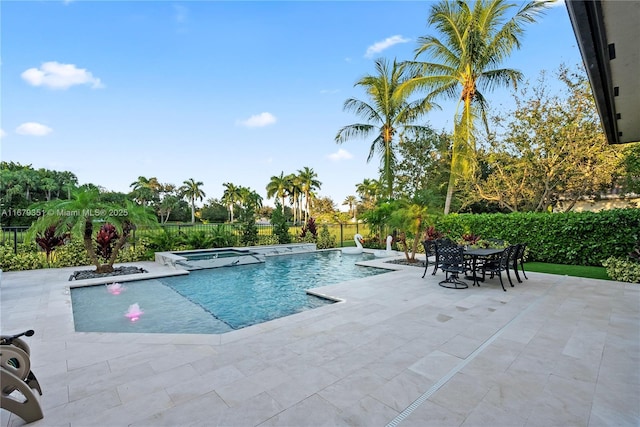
[
  {"x": 498, "y": 265},
  {"x": 434, "y": 245},
  {"x": 429, "y": 250},
  {"x": 452, "y": 262},
  {"x": 519, "y": 258}
]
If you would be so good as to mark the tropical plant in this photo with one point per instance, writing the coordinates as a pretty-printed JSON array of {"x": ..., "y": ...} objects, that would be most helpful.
[
  {"x": 387, "y": 111},
  {"x": 410, "y": 218},
  {"x": 309, "y": 229},
  {"x": 231, "y": 197},
  {"x": 308, "y": 183},
  {"x": 106, "y": 239},
  {"x": 464, "y": 62},
  {"x": 192, "y": 191},
  {"x": 280, "y": 226},
  {"x": 49, "y": 240},
  {"x": 325, "y": 239},
  {"x": 278, "y": 187},
  {"x": 81, "y": 213},
  {"x": 352, "y": 202},
  {"x": 145, "y": 190}
]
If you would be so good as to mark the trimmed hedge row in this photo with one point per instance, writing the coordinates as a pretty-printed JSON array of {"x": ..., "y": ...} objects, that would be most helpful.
[{"x": 575, "y": 238}]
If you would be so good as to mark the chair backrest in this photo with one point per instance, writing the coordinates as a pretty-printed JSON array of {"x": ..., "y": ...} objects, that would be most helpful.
[
  {"x": 450, "y": 255},
  {"x": 522, "y": 247},
  {"x": 507, "y": 256},
  {"x": 429, "y": 247}
]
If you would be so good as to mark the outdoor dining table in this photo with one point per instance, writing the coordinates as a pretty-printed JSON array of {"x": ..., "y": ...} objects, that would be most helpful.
[{"x": 480, "y": 253}]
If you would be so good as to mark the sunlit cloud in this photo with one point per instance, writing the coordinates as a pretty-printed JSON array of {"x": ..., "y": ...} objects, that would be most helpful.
[
  {"x": 258, "y": 120},
  {"x": 384, "y": 44},
  {"x": 55, "y": 75},
  {"x": 557, "y": 3},
  {"x": 33, "y": 129},
  {"x": 2, "y": 133},
  {"x": 341, "y": 154},
  {"x": 181, "y": 13},
  {"x": 329, "y": 91}
]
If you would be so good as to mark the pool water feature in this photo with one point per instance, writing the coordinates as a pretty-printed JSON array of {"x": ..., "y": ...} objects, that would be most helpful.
[{"x": 218, "y": 300}]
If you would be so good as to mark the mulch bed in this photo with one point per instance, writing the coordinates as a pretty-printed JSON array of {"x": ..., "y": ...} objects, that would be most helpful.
[{"x": 117, "y": 271}]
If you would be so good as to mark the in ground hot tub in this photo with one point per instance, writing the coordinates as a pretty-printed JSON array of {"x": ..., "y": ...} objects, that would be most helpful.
[{"x": 209, "y": 258}]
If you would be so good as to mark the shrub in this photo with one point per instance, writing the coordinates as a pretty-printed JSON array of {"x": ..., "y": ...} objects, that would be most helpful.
[
  {"x": 26, "y": 258},
  {"x": 70, "y": 255},
  {"x": 309, "y": 228},
  {"x": 622, "y": 269},
  {"x": 280, "y": 227},
  {"x": 325, "y": 239}
]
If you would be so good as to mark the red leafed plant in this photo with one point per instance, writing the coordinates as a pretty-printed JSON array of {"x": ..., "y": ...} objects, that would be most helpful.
[
  {"x": 106, "y": 240},
  {"x": 432, "y": 234},
  {"x": 470, "y": 238},
  {"x": 310, "y": 227},
  {"x": 49, "y": 241}
]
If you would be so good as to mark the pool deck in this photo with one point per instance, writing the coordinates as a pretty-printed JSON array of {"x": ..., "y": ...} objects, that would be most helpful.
[{"x": 400, "y": 350}]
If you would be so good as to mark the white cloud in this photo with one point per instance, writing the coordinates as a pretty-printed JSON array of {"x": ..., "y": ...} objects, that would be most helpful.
[
  {"x": 329, "y": 91},
  {"x": 181, "y": 13},
  {"x": 55, "y": 75},
  {"x": 341, "y": 154},
  {"x": 2, "y": 133},
  {"x": 557, "y": 3},
  {"x": 258, "y": 120},
  {"x": 384, "y": 44},
  {"x": 33, "y": 129}
]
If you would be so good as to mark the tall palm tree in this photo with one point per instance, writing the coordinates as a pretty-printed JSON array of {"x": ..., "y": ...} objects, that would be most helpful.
[
  {"x": 192, "y": 191},
  {"x": 387, "y": 111},
  {"x": 464, "y": 61},
  {"x": 294, "y": 189},
  {"x": 368, "y": 191},
  {"x": 232, "y": 195},
  {"x": 277, "y": 188},
  {"x": 145, "y": 190},
  {"x": 308, "y": 183},
  {"x": 352, "y": 201}
]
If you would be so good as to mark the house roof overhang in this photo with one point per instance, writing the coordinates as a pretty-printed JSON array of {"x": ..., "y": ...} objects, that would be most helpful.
[{"x": 608, "y": 35}]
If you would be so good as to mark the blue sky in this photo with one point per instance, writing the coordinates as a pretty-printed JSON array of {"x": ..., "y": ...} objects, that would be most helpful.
[{"x": 216, "y": 91}]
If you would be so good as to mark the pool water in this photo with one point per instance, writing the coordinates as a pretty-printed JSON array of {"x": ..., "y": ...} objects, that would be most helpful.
[{"x": 218, "y": 300}]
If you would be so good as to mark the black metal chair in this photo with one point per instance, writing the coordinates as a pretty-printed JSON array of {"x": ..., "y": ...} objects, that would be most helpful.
[
  {"x": 499, "y": 264},
  {"x": 518, "y": 258},
  {"x": 452, "y": 262},
  {"x": 429, "y": 250}
]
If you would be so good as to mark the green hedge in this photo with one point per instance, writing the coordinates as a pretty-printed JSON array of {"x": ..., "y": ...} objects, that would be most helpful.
[{"x": 576, "y": 238}]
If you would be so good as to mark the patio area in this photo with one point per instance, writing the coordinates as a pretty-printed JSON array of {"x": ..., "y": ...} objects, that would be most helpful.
[{"x": 400, "y": 351}]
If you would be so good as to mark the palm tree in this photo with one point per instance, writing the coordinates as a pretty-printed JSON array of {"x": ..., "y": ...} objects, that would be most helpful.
[
  {"x": 232, "y": 195},
  {"x": 464, "y": 61},
  {"x": 308, "y": 183},
  {"x": 145, "y": 190},
  {"x": 389, "y": 110},
  {"x": 84, "y": 210},
  {"x": 368, "y": 191},
  {"x": 294, "y": 190},
  {"x": 352, "y": 201},
  {"x": 192, "y": 191},
  {"x": 277, "y": 188}
]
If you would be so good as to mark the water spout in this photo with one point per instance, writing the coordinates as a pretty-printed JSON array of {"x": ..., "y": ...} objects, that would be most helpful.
[{"x": 134, "y": 313}]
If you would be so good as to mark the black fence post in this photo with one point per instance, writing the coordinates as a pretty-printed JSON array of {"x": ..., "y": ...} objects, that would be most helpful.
[
  {"x": 15, "y": 241},
  {"x": 341, "y": 236}
]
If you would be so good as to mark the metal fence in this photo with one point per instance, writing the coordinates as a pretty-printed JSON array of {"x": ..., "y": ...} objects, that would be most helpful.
[{"x": 344, "y": 233}]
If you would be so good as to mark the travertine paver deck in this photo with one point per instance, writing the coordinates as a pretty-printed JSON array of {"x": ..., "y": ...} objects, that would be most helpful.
[{"x": 401, "y": 350}]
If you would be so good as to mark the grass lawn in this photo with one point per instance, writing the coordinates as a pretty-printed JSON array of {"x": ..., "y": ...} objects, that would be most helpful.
[{"x": 569, "y": 270}]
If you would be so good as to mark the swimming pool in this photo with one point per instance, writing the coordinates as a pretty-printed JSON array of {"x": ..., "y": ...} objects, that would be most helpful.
[{"x": 218, "y": 300}]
